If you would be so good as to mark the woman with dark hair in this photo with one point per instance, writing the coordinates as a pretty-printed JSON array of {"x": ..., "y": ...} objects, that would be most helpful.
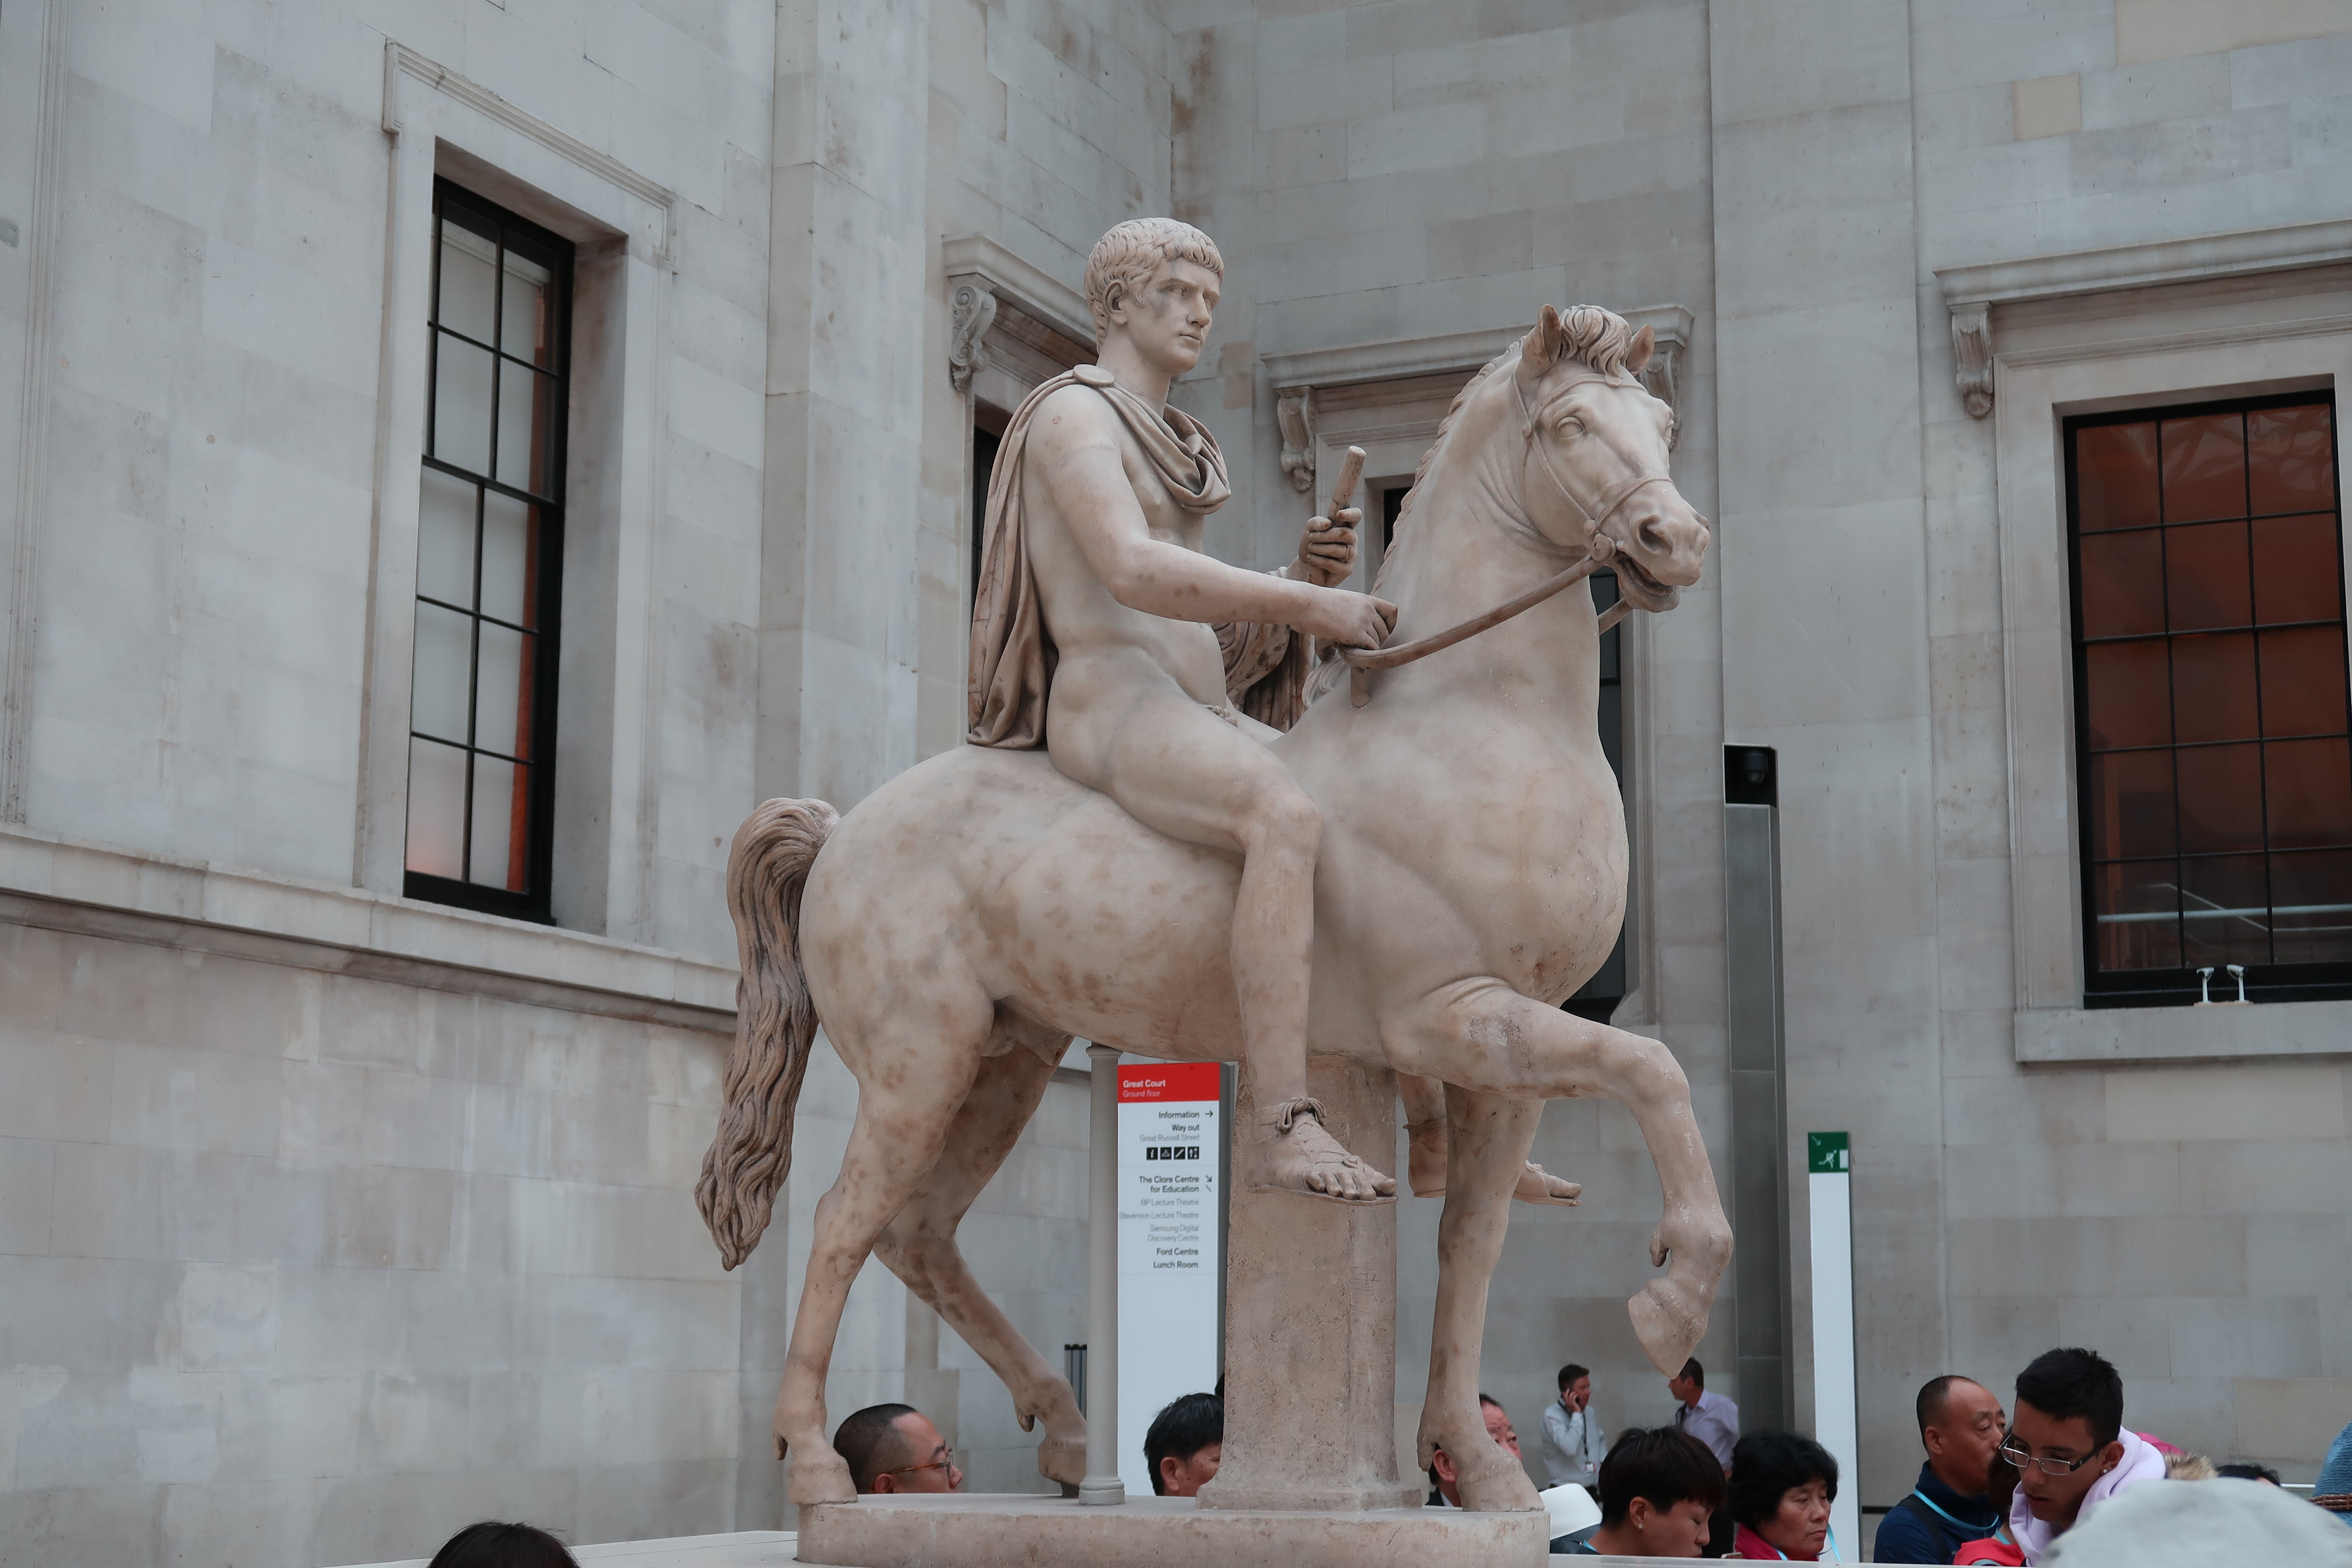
[
  {"x": 1657, "y": 1488},
  {"x": 493, "y": 1545},
  {"x": 1782, "y": 1484}
]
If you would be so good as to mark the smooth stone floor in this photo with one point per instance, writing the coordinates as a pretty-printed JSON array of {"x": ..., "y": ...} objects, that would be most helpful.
[
  {"x": 1021, "y": 1530},
  {"x": 744, "y": 1549}
]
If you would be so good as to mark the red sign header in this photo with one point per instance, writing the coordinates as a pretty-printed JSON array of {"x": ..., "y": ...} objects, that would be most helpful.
[{"x": 1169, "y": 1080}]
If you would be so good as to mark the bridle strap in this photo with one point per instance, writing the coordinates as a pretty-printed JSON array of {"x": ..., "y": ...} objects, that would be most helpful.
[
  {"x": 1612, "y": 500},
  {"x": 1599, "y": 546}
]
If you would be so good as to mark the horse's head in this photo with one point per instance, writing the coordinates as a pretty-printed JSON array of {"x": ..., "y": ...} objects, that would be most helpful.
[{"x": 1596, "y": 453}]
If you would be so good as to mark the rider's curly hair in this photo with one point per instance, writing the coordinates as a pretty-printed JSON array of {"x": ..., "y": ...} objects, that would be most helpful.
[{"x": 1124, "y": 260}]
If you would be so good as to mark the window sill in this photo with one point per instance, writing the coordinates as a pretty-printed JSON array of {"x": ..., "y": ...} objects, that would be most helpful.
[
  {"x": 132, "y": 895},
  {"x": 2111, "y": 1035}
]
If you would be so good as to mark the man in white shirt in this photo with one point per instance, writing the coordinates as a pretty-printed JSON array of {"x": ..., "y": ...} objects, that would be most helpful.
[{"x": 1573, "y": 1444}]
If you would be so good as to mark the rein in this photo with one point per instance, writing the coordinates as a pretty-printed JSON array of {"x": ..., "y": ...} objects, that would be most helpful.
[{"x": 1361, "y": 662}]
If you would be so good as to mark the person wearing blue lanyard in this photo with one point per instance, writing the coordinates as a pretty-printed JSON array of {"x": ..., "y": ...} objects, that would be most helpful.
[
  {"x": 1960, "y": 1423},
  {"x": 1782, "y": 1484}
]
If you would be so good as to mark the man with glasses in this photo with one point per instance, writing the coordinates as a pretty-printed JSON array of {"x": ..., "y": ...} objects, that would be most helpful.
[
  {"x": 1960, "y": 1426},
  {"x": 896, "y": 1448},
  {"x": 2068, "y": 1443}
]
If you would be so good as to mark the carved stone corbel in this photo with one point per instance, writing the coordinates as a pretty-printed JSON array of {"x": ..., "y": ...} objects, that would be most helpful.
[
  {"x": 1664, "y": 377},
  {"x": 974, "y": 307},
  {"x": 1972, "y": 355},
  {"x": 1294, "y": 410},
  {"x": 1007, "y": 315}
]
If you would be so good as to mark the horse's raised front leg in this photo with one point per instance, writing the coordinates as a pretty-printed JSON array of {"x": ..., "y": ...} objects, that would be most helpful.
[
  {"x": 1486, "y": 1138},
  {"x": 920, "y": 1248},
  {"x": 902, "y": 1122},
  {"x": 1484, "y": 1035}
]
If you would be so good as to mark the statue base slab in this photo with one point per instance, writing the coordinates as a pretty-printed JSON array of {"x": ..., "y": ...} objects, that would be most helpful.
[{"x": 1015, "y": 1530}]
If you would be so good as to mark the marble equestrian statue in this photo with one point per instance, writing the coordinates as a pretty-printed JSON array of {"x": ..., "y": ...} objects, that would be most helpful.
[{"x": 975, "y": 914}]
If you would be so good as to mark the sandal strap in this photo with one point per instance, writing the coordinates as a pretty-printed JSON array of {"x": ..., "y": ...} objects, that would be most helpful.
[{"x": 1286, "y": 1113}]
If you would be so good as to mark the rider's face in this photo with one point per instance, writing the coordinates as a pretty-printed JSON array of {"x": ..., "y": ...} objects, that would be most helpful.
[{"x": 1167, "y": 320}]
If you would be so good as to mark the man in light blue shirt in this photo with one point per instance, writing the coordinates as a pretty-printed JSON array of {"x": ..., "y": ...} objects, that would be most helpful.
[
  {"x": 1709, "y": 1417},
  {"x": 1573, "y": 1444}
]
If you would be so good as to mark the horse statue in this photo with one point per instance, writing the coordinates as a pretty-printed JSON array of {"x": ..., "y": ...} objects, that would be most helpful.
[{"x": 970, "y": 917}]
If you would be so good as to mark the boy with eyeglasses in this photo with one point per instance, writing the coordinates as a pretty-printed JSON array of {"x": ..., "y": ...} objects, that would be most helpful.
[{"x": 2068, "y": 1443}]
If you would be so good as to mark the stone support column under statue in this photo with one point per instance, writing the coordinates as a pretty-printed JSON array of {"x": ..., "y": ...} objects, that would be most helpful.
[{"x": 1310, "y": 1475}]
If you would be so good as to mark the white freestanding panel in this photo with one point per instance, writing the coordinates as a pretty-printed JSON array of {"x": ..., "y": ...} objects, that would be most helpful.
[
  {"x": 1829, "y": 1163},
  {"x": 1169, "y": 1266}
]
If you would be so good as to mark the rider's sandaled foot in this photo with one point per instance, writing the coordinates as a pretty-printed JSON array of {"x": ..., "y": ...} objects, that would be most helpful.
[{"x": 1301, "y": 1156}]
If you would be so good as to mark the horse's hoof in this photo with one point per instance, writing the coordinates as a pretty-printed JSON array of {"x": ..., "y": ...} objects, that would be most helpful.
[
  {"x": 1669, "y": 1321},
  {"x": 820, "y": 1476},
  {"x": 1062, "y": 1459},
  {"x": 1503, "y": 1488}
]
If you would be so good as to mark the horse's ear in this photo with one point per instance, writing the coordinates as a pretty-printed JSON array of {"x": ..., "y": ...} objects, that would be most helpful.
[
  {"x": 1645, "y": 343},
  {"x": 1541, "y": 349}
]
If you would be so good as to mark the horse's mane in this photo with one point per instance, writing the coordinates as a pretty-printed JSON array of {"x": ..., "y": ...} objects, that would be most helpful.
[{"x": 1597, "y": 339}]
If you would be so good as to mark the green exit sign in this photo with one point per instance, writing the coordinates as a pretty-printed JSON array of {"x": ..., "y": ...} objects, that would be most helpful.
[{"x": 1829, "y": 1154}]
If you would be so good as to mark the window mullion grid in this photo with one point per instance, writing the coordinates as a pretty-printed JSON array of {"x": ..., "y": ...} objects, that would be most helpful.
[
  {"x": 2171, "y": 699},
  {"x": 473, "y": 694},
  {"x": 498, "y": 336},
  {"x": 2262, "y": 729}
]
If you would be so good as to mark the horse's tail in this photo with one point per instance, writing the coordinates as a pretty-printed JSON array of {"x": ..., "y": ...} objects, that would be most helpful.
[{"x": 775, "y": 1022}]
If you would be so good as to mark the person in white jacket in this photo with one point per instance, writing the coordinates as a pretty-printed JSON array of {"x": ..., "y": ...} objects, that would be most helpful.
[
  {"x": 2068, "y": 1443},
  {"x": 1573, "y": 1444}
]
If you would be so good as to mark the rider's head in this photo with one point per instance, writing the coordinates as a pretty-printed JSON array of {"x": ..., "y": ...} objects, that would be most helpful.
[{"x": 1156, "y": 281}]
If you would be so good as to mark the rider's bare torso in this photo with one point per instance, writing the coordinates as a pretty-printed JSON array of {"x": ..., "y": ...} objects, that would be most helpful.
[{"x": 1107, "y": 649}]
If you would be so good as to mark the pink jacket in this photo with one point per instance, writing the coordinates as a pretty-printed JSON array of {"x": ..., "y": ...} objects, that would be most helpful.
[{"x": 2141, "y": 1462}]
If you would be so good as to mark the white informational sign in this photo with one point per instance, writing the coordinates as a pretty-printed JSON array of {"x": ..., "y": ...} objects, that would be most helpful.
[
  {"x": 1170, "y": 1269},
  {"x": 1828, "y": 1181}
]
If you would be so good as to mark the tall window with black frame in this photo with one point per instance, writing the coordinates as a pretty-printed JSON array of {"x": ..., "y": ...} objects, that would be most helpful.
[
  {"x": 490, "y": 559},
  {"x": 2211, "y": 724},
  {"x": 1599, "y": 996}
]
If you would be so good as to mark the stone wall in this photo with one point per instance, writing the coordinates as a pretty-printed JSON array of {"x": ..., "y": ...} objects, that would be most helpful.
[
  {"x": 207, "y": 490},
  {"x": 2163, "y": 1215},
  {"x": 1796, "y": 177},
  {"x": 319, "y": 1246},
  {"x": 305, "y": 1192},
  {"x": 411, "y": 1254}
]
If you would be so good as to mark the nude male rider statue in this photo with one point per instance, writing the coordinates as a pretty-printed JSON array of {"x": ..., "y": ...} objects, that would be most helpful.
[{"x": 1092, "y": 636}]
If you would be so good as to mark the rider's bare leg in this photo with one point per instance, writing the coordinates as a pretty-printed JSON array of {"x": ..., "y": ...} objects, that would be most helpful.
[
  {"x": 1175, "y": 766},
  {"x": 1425, "y": 1147}
]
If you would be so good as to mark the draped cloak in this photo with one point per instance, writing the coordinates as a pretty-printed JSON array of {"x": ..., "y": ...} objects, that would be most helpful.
[{"x": 1013, "y": 652}]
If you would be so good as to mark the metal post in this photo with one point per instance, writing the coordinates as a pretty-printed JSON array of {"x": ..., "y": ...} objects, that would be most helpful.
[
  {"x": 1102, "y": 1484},
  {"x": 1763, "y": 1326}
]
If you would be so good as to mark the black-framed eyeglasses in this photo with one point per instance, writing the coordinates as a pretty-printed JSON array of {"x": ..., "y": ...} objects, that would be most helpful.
[
  {"x": 946, "y": 1461},
  {"x": 2020, "y": 1459}
]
